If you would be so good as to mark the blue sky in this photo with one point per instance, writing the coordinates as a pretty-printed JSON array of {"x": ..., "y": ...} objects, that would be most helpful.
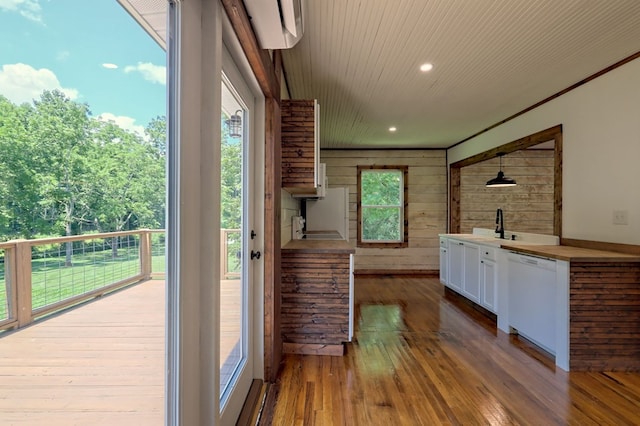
[{"x": 92, "y": 50}]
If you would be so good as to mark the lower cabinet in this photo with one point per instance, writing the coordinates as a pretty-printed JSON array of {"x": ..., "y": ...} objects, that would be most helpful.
[
  {"x": 444, "y": 266},
  {"x": 489, "y": 284},
  {"x": 456, "y": 265},
  {"x": 316, "y": 301},
  {"x": 471, "y": 270},
  {"x": 471, "y": 282}
]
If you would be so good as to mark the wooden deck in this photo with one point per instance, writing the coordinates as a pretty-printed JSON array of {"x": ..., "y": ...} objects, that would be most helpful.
[{"x": 101, "y": 363}]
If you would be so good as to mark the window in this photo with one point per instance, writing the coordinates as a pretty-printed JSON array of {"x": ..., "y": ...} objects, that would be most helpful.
[{"x": 382, "y": 206}]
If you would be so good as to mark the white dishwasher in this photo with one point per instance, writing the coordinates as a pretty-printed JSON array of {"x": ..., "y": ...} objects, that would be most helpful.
[{"x": 532, "y": 299}]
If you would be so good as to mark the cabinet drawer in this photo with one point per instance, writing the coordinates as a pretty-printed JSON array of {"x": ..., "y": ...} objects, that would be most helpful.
[{"x": 487, "y": 253}]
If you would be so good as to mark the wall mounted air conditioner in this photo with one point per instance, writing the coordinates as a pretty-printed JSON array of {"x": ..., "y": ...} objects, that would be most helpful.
[{"x": 278, "y": 24}]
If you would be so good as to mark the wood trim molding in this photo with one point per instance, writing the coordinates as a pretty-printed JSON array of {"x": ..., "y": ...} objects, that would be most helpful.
[
  {"x": 600, "y": 245},
  {"x": 552, "y": 133},
  {"x": 267, "y": 72},
  {"x": 554, "y": 96},
  {"x": 252, "y": 404},
  {"x": 259, "y": 59},
  {"x": 391, "y": 273}
]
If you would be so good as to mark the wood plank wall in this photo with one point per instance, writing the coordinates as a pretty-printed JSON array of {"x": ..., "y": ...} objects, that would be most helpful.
[
  {"x": 427, "y": 205},
  {"x": 315, "y": 301},
  {"x": 298, "y": 143},
  {"x": 605, "y": 316},
  {"x": 527, "y": 207}
]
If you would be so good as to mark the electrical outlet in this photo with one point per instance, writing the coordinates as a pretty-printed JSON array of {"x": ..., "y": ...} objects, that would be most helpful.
[{"x": 620, "y": 217}]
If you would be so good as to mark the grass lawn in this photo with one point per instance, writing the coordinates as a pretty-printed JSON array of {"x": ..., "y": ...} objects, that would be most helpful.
[{"x": 52, "y": 281}]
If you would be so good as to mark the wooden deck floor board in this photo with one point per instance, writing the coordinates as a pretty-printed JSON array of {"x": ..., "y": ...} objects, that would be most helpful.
[{"x": 99, "y": 363}]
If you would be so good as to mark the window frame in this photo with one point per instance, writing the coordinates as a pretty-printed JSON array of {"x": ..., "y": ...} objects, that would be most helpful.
[{"x": 405, "y": 207}]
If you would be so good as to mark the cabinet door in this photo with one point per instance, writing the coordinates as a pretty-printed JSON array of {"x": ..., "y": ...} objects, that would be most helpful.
[
  {"x": 489, "y": 284},
  {"x": 471, "y": 281},
  {"x": 444, "y": 262},
  {"x": 456, "y": 265},
  {"x": 300, "y": 146}
]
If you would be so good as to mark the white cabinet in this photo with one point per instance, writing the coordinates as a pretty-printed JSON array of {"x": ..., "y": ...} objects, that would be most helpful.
[
  {"x": 456, "y": 265},
  {"x": 488, "y": 284},
  {"x": 463, "y": 268},
  {"x": 471, "y": 270},
  {"x": 471, "y": 281},
  {"x": 444, "y": 261},
  {"x": 444, "y": 266}
]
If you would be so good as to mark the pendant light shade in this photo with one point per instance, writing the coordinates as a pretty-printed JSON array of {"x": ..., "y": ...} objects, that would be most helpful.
[
  {"x": 501, "y": 180},
  {"x": 234, "y": 124}
]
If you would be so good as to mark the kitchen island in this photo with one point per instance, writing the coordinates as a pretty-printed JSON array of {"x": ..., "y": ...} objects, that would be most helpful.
[
  {"x": 316, "y": 308},
  {"x": 603, "y": 306},
  {"x": 582, "y": 305}
]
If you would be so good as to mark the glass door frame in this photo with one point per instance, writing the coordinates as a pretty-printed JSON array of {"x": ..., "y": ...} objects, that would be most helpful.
[{"x": 195, "y": 45}]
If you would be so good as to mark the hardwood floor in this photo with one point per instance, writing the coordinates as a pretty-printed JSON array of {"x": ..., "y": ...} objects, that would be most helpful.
[{"x": 419, "y": 359}]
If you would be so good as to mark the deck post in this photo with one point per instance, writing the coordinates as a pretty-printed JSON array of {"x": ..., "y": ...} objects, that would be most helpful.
[
  {"x": 145, "y": 253},
  {"x": 21, "y": 282}
]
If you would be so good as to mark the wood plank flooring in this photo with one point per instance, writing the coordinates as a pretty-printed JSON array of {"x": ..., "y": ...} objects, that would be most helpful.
[{"x": 419, "y": 359}]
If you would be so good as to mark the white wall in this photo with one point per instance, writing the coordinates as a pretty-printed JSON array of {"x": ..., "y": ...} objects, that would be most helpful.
[
  {"x": 601, "y": 153},
  {"x": 289, "y": 207}
]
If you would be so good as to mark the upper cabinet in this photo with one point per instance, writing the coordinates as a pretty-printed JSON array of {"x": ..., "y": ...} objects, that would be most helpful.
[{"x": 301, "y": 172}]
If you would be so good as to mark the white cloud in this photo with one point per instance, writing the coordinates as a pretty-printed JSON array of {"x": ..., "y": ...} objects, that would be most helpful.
[
  {"x": 149, "y": 71},
  {"x": 30, "y": 9},
  {"x": 123, "y": 121},
  {"x": 22, "y": 83},
  {"x": 110, "y": 66}
]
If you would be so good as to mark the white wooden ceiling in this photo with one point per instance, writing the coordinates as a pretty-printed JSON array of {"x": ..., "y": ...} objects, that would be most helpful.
[{"x": 491, "y": 58}]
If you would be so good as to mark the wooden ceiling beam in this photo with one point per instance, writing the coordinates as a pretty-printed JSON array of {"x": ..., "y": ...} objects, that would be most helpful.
[{"x": 259, "y": 59}]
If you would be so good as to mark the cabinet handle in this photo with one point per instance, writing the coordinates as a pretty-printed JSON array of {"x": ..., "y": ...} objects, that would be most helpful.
[{"x": 460, "y": 244}]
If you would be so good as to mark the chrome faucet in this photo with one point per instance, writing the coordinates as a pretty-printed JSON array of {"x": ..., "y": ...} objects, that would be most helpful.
[{"x": 500, "y": 223}]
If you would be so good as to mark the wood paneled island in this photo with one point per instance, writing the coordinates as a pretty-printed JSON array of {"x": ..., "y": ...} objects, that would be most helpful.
[
  {"x": 604, "y": 306},
  {"x": 316, "y": 296}
]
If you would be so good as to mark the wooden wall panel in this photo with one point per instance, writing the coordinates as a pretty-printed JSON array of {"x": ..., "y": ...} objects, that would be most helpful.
[
  {"x": 604, "y": 316},
  {"x": 427, "y": 204},
  {"x": 527, "y": 207},
  {"x": 298, "y": 143},
  {"x": 315, "y": 299}
]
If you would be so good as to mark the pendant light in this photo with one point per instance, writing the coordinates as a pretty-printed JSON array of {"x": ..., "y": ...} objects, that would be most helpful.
[
  {"x": 501, "y": 180},
  {"x": 234, "y": 124}
]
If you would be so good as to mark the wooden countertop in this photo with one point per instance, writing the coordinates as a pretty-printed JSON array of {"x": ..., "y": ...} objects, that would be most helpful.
[
  {"x": 572, "y": 254},
  {"x": 320, "y": 246}
]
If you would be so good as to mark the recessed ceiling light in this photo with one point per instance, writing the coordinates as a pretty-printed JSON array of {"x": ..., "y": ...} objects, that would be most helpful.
[
  {"x": 426, "y": 67},
  {"x": 392, "y": 129}
]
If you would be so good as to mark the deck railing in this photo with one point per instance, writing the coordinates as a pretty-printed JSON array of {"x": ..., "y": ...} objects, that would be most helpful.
[{"x": 38, "y": 277}]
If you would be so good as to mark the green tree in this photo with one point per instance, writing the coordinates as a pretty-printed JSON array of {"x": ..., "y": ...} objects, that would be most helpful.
[
  {"x": 230, "y": 180},
  {"x": 60, "y": 128},
  {"x": 128, "y": 180},
  {"x": 18, "y": 186},
  {"x": 156, "y": 132},
  {"x": 381, "y": 197}
]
